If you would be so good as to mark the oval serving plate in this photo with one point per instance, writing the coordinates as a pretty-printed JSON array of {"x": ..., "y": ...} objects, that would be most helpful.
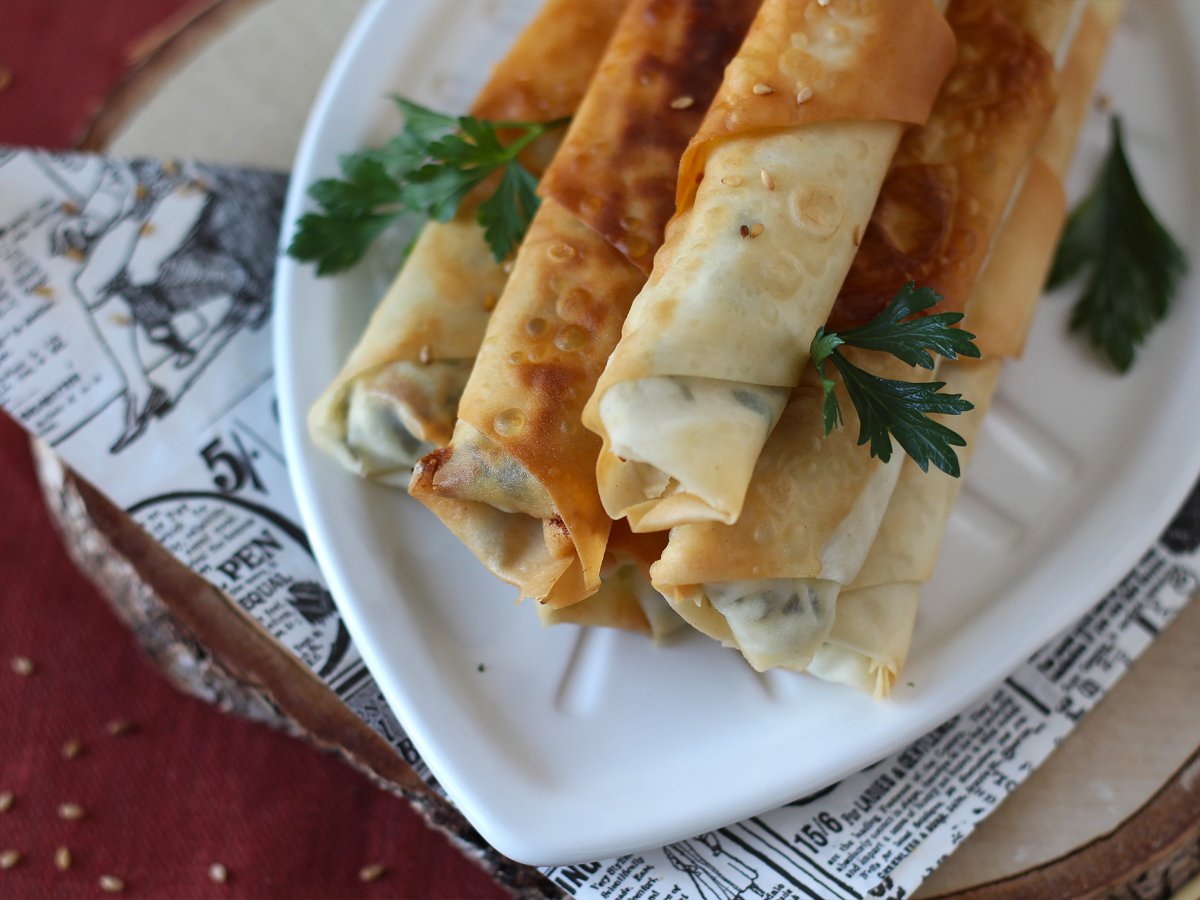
[{"x": 565, "y": 744}]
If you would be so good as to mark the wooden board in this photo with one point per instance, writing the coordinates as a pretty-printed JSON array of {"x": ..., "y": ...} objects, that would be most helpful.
[{"x": 1114, "y": 812}]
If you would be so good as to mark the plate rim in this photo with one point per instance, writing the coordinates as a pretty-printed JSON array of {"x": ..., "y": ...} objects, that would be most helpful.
[{"x": 503, "y": 828}]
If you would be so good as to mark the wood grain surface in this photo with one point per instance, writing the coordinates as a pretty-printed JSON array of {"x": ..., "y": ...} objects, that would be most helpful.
[{"x": 1114, "y": 812}]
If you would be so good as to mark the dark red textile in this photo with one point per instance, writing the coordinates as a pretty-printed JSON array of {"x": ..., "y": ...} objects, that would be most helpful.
[{"x": 189, "y": 787}]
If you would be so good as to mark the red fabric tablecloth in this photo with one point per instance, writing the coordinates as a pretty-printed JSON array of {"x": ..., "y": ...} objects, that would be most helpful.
[{"x": 187, "y": 787}]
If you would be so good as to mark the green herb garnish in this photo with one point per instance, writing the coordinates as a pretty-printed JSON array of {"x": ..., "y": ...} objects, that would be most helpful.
[
  {"x": 424, "y": 171},
  {"x": 1136, "y": 264},
  {"x": 886, "y": 407}
]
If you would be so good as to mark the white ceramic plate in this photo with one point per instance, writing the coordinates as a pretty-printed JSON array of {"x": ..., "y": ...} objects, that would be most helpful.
[{"x": 576, "y": 745}]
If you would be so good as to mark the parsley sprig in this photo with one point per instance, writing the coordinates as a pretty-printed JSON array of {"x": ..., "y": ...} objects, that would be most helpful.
[
  {"x": 425, "y": 171},
  {"x": 1136, "y": 265},
  {"x": 889, "y": 408}
]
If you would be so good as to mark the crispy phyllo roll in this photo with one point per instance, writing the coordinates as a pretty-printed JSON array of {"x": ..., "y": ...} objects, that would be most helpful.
[
  {"x": 517, "y": 481},
  {"x": 774, "y": 194},
  {"x": 397, "y": 395},
  {"x": 769, "y": 584},
  {"x": 869, "y": 641}
]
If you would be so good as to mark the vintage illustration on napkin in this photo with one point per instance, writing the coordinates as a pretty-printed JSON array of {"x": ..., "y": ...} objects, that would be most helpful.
[
  {"x": 166, "y": 263},
  {"x": 134, "y": 303},
  {"x": 133, "y": 339}
]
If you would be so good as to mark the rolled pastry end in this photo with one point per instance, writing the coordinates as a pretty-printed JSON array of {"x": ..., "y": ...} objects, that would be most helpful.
[
  {"x": 777, "y": 623},
  {"x": 869, "y": 641},
  {"x": 505, "y": 516},
  {"x": 682, "y": 449},
  {"x": 626, "y": 600},
  {"x": 380, "y": 424}
]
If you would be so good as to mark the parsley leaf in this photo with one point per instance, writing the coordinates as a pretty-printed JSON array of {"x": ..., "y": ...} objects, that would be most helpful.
[
  {"x": 424, "y": 124},
  {"x": 425, "y": 172},
  {"x": 364, "y": 185},
  {"x": 890, "y": 408},
  {"x": 912, "y": 340},
  {"x": 1136, "y": 265},
  {"x": 824, "y": 345},
  {"x": 336, "y": 242},
  {"x": 505, "y": 216},
  {"x": 436, "y": 190}
]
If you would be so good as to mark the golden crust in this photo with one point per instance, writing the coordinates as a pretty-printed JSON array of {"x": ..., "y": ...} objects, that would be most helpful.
[
  {"x": 547, "y": 342},
  {"x": 561, "y": 313},
  {"x": 548, "y": 69},
  {"x": 953, "y": 179},
  {"x": 648, "y": 102},
  {"x": 616, "y": 604},
  {"x": 1046, "y": 20},
  {"x": 1079, "y": 74},
  {"x": 1002, "y": 307},
  {"x": 804, "y": 63},
  {"x": 1004, "y": 301},
  {"x": 541, "y": 359},
  {"x": 439, "y": 305}
]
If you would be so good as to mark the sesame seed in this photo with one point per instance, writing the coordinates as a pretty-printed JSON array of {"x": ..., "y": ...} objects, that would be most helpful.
[
  {"x": 425, "y": 354},
  {"x": 731, "y": 180},
  {"x": 43, "y": 290},
  {"x": 22, "y": 665},
  {"x": 804, "y": 95},
  {"x": 6, "y": 77},
  {"x": 856, "y": 235},
  {"x": 111, "y": 884},
  {"x": 72, "y": 812},
  {"x": 767, "y": 180},
  {"x": 69, "y": 208},
  {"x": 9, "y": 859},
  {"x": 141, "y": 192},
  {"x": 148, "y": 228},
  {"x": 170, "y": 167},
  {"x": 6, "y": 801},
  {"x": 744, "y": 231},
  {"x": 72, "y": 748},
  {"x": 683, "y": 102},
  {"x": 218, "y": 874},
  {"x": 118, "y": 727},
  {"x": 62, "y": 859},
  {"x": 756, "y": 229},
  {"x": 372, "y": 872},
  {"x": 489, "y": 302},
  {"x": 763, "y": 89},
  {"x": 75, "y": 254}
]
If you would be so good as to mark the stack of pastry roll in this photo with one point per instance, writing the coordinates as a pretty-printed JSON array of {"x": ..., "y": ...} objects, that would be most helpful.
[
  {"x": 516, "y": 483},
  {"x": 869, "y": 641},
  {"x": 772, "y": 584},
  {"x": 396, "y": 397},
  {"x": 775, "y": 191},
  {"x": 768, "y": 583}
]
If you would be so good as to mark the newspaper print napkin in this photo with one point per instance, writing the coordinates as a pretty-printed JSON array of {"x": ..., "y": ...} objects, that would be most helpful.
[{"x": 134, "y": 312}]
